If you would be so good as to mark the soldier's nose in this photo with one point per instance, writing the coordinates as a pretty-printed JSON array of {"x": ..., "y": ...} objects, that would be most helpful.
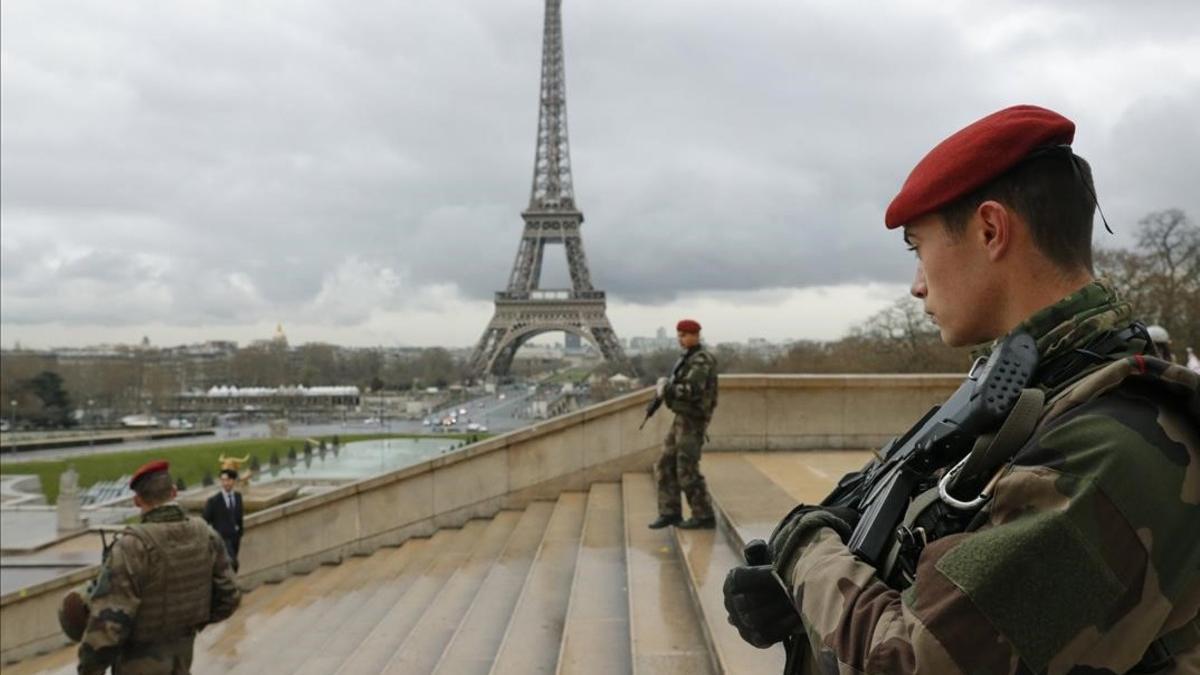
[{"x": 918, "y": 288}]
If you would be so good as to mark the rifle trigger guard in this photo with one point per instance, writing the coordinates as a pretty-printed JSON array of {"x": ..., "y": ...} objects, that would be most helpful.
[{"x": 944, "y": 490}]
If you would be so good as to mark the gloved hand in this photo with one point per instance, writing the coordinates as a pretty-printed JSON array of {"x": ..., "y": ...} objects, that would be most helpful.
[
  {"x": 661, "y": 387},
  {"x": 759, "y": 605},
  {"x": 786, "y": 538}
]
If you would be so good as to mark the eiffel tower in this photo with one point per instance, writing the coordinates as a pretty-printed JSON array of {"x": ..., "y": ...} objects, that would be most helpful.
[{"x": 525, "y": 309}]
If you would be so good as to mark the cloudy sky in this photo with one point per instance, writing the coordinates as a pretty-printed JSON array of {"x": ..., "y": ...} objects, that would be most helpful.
[{"x": 355, "y": 171}]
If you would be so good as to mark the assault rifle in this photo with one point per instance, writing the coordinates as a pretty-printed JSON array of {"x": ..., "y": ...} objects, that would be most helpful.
[{"x": 882, "y": 490}]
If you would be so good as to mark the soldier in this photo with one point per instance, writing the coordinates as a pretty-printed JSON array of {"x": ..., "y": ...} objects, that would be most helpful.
[
  {"x": 1086, "y": 555},
  {"x": 690, "y": 393},
  {"x": 164, "y": 579}
]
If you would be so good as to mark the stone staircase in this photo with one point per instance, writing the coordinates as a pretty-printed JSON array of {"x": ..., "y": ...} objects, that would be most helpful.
[{"x": 578, "y": 585}]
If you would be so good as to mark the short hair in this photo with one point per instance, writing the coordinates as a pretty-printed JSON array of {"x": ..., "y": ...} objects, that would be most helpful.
[
  {"x": 232, "y": 473},
  {"x": 1053, "y": 192},
  {"x": 155, "y": 488}
]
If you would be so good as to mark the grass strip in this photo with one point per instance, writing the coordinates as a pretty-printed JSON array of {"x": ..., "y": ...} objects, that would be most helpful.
[{"x": 189, "y": 462}]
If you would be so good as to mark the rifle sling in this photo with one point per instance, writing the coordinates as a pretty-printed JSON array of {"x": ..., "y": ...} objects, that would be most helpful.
[{"x": 991, "y": 451}]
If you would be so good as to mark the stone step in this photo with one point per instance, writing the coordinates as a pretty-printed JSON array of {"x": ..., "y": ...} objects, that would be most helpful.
[
  {"x": 751, "y": 493},
  {"x": 807, "y": 476},
  {"x": 305, "y": 642},
  {"x": 58, "y": 661},
  {"x": 665, "y": 633},
  {"x": 258, "y": 603},
  {"x": 382, "y": 594},
  {"x": 534, "y": 635},
  {"x": 224, "y": 644},
  {"x": 375, "y": 651},
  {"x": 707, "y": 557},
  {"x": 294, "y": 598},
  {"x": 595, "y": 638},
  {"x": 473, "y": 647},
  {"x": 253, "y": 603},
  {"x": 420, "y": 651},
  {"x": 755, "y": 490},
  {"x": 748, "y": 502},
  {"x": 269, "y": 645}
]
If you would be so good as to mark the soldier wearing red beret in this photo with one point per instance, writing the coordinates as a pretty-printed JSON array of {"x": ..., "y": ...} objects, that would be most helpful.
[
  {"x": 1081, "y": 552},
  {"x": 691, "y": 393},
  {"x": 164, "y": 579}
]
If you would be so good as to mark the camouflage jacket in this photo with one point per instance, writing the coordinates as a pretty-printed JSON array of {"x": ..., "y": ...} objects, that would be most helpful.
[
  {"x": 1088, "y": 551},
  {"x": 119, "y": 592},
  {"x": 692, "y": 391}
]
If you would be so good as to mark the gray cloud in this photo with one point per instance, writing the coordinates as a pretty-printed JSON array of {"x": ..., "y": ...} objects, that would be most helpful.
[{"x": 212, "y": 164}]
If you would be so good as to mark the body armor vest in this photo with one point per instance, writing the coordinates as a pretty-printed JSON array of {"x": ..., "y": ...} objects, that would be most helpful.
[{"x": 176, "y": 587}]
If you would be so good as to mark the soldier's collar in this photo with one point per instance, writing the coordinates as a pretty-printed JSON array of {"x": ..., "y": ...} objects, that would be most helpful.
[
  {"x": 163, "y": 513},
  {"x": 1068, "y": 321}
]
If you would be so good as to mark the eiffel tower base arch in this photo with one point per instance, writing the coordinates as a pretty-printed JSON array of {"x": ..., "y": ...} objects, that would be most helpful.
[{"x": 517, "y": 321}]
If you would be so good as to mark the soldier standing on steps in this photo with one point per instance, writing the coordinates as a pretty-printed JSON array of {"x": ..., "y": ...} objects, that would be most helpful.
[
  {"x": 691, "y": 393},
  {"x": 165, "y": 579}
]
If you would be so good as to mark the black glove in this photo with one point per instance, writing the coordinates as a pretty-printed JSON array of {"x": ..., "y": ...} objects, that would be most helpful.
[{"x": 759, "y": 605}]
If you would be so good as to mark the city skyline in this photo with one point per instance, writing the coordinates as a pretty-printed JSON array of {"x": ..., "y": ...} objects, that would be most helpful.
[{"x": 209, "y": 172}]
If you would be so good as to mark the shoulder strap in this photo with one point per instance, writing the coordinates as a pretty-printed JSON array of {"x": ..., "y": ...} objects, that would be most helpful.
[{"x": 991, "y": 451}]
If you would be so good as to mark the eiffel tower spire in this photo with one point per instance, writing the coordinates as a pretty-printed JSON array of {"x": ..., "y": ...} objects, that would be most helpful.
[
  {"x": 552, "y": 187},
  {"x": 525, "y": 309}
]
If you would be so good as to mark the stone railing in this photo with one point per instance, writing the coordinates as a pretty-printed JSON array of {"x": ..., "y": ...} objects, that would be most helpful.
[{"x": 598, "y": 443}]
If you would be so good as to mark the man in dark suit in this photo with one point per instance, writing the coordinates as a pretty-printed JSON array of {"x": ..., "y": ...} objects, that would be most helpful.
[{"x": 223, "y": 511}]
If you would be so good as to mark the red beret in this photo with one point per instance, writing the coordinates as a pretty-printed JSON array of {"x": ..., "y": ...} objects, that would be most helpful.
[
  {"x": 147, "y": 469},
  {"x": 687, "y": 326},
  {"x": 974, "y": 156}
]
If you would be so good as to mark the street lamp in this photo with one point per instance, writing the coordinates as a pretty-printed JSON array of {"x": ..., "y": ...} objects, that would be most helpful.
[{"x": 12, "y": 405}]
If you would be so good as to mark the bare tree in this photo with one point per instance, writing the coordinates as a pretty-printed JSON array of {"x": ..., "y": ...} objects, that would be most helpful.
[{"x": 1161, "y": 278}]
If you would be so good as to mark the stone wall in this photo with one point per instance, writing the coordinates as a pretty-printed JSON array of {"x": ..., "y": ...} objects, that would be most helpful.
[{"x": 599, "y": 443}]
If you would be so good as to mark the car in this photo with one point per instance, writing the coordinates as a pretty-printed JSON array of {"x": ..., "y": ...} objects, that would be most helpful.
[{"x": 462, "y": 411}]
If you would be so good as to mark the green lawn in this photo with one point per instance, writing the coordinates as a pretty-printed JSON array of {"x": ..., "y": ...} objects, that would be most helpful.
[
  {"x": 573, "y": 375},
  {"x": 187, "y": 461}
]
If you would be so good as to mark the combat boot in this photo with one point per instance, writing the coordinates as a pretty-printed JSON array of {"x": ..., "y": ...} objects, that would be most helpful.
[
  {"x": 694, "y": 523},
  {"x": 664, "y": 521}
]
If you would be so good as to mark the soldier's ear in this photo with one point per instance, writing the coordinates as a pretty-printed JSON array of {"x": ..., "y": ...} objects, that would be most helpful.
[{"x": 996, "y": 223}]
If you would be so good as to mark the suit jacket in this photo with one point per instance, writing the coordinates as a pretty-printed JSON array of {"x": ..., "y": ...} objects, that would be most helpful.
[{"x": 228, "y": 525}]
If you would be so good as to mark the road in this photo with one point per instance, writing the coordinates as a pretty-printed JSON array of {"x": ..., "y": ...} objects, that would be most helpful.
[{"x": 498, "y": 415}]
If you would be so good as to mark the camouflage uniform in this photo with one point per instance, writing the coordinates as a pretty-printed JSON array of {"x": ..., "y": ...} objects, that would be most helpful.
[
  {"x": 692, "y": 395},
  {"x": 1088, "y": 551},
  {"x": 164, "y": 579}
]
